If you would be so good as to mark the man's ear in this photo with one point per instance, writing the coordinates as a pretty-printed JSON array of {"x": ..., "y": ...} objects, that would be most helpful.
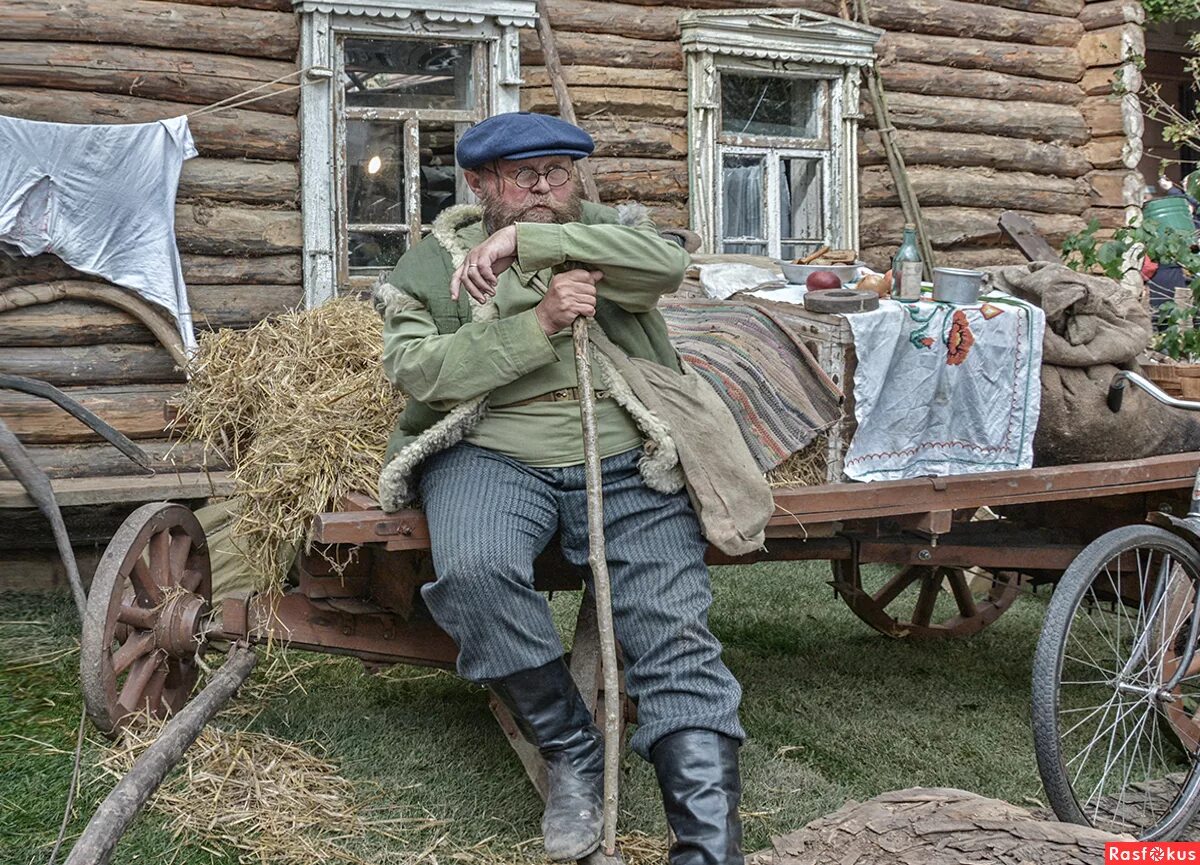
[{"x": 474, "y": 181}]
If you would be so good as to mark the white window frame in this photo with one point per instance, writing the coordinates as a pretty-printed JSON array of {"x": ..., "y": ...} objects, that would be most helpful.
[
  {"x": 789, "y": 43},
  {"x": 493, "y": 25}
]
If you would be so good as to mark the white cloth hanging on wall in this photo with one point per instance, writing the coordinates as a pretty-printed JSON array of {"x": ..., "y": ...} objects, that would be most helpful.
[{"x": 101, "y": 198}]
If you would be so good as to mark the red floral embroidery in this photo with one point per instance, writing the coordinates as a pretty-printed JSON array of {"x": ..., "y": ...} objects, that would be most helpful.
[
  {"x": 958, "y": 344},
  {"x": 927, "y": 341}
]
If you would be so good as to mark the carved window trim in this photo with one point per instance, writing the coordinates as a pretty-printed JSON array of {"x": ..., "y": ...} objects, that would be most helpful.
[
  {"x": 493, "y": 26},
  {"x": 776, "y": 42}
]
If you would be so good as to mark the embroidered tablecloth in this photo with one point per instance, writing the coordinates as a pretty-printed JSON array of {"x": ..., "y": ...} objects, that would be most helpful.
[{"x": 945, "y": 389}]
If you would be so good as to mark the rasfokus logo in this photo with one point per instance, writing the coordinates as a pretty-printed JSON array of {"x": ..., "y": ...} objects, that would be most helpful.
[{"x": 1151, "y": 851}]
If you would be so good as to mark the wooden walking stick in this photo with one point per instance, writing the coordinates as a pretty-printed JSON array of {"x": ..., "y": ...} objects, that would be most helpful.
[{"x": 603, "y": 594}]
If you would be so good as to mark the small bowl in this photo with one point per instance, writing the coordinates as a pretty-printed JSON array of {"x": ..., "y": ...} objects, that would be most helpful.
[
  {"x": 798, "y": 273},
  {"x": 954, "y": 285}
]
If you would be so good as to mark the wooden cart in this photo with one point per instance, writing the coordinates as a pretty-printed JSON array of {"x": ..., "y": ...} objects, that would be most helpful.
[{"x": 916, "y": 559}]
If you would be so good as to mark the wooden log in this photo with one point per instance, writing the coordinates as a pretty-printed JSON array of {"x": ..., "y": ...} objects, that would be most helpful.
[
  {"x": 602, "y": 48},
  {"x": 879, "y": 257},
  {"x": 1106, "y": 152},
  {"x": 661, "y": 180},
  {"x": 229, "y": 270},
  {"x": 1066, "y": 8},
  {"x": 240, "y": 180},
  {"x": 30, "y": 270},
  {"x": 668, "y": 215},
  {"x": 229, "y": 230},
  {"x": 246, "y": 32},
  {"x": 103, "y": 460},
  {"x": 1112, "y": 13},
  {"x": 975, "y": 187},
  {"x": 135, "y": 410},
  {"x": 1103, "y": 116},
  {"x": 1028, "y": 120},
  {"x": 965, "y": 19},
  {"x": 978, "y": 83},
  {"x": 111, "y": 364},
  {"x": 630, "y": 137},
  {"x": 42, "y": 572},
  {"x": 269, "y": 5},
  {"x": 179, "y": 76},
  {"x": 825, "y": 7},
  {"x": 1110, "y": 46},
  {"x": 961, "y": 149},
  {"x": 950, "y": 227},
  {"x": 1120, "y": 188},
  {"x": 74, "y": 322},
  {"x": 607, "y": 76},
  {"x": 1032, "y": 61},
  {"x": 235, "y": 132},
  {"x": 1099, "y": 80},
  {"x": 622, "y": 19},
  {"x": 624, "y": 101},
  {"x": 1108, "y": 217}
]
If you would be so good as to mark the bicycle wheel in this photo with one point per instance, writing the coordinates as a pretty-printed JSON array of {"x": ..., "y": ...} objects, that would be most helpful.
[{"x": 1106, "y": 754}]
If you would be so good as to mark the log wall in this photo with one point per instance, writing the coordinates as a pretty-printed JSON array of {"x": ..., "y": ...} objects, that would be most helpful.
[
  {"x": 237, "y": 219},
  {"x": 999, "y": 105}
]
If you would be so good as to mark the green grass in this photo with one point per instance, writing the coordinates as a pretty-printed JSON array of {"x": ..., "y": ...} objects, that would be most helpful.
[{"x": 834, "y": 712}]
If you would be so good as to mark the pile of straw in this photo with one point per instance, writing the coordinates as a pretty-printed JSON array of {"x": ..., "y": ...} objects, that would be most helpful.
[
  {"x": 804, "y": 468},
  {"x": 300, "y": 408}
]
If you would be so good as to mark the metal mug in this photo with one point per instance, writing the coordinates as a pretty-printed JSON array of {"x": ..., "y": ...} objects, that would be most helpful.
[{"x": 954, "y": 285}]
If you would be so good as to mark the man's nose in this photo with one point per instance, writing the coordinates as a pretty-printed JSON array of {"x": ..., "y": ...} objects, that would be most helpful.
[{"x": 542, "y": 186}]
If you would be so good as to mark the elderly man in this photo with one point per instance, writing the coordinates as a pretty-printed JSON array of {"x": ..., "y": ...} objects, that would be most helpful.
[{"x": 477, "y": 330}]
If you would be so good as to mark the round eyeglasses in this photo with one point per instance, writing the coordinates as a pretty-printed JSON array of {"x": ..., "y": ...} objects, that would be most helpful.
[{"x": 527, "y": 178}]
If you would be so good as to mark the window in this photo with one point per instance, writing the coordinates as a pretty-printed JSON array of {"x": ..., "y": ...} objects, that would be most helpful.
[
  {"x": 773, "y": 129},
  {"x": 396, "y": 84}
]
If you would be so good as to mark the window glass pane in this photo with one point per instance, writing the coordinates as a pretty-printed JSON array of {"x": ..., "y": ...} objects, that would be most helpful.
[
  {"x": 407, "y": 73},
  {"x": 438, "y": 176},
  {"x": 378, "y": 249},
  {"x": 801, "y": 202},
  {"x": 375, "y": 172},
  {"x": 742, "y": 202},
  {"x": 789, "y": 107},
  {"x": 744, "y": 248}
]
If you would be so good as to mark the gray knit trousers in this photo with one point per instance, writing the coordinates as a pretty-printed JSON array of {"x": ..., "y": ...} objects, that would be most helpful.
[{"x": 489, "y": 517}]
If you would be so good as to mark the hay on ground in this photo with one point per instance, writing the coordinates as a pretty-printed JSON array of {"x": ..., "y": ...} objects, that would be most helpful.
[{"x": 300, "y": 407}]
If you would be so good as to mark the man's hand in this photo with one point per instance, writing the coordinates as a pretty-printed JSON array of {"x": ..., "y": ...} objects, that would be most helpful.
[
  {"x": 571, "y": 294},
  {"x": 482, "y": 267}
]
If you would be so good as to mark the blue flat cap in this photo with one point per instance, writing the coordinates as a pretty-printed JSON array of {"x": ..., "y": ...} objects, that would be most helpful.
[{"x": 521, "y": 135}]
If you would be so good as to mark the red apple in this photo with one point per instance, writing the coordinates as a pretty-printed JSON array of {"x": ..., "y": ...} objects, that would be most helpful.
[{"x": 822, "y": 280}]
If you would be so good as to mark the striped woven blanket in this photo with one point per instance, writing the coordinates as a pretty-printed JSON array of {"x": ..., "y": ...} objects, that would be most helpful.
[{"x": 776, "y": 390}]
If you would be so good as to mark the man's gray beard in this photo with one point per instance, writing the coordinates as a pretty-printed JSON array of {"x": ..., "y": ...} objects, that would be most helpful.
[{"x": 497, "y": 215}]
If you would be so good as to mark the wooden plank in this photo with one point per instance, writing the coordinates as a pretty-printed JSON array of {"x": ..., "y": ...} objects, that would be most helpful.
[
  {"x": 978, "y": 187},
  {"x": 1027, "y": 237},
  {"x": 188, "y": 26},
  {"x": 966, "y": 19},
  {"x": 232, "y": 270},
  {"x": 624, "y": 101},
  {"x": 949, "y": 227},
  {"x": 603, "y": 49},
  {"x": 1015, "y": 119},
  {"x": 73, "y": 492}
]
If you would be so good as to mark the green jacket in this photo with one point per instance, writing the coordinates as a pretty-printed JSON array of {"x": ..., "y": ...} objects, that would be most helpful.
[{"x": 452, "y": 357}]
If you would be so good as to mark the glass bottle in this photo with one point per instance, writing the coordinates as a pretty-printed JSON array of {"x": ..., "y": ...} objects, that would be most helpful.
[{"x": 907, "y": 267}]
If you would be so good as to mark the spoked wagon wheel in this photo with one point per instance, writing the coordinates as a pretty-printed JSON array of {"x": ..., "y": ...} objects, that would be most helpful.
[
  {"x": 923, "y": 602},
  {"x": 145, "y": 613},
  {"x": 1106, "y": 750}
]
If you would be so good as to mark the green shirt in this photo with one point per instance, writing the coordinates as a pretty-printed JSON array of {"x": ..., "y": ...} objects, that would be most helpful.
[{"x": 442, "y": 364}]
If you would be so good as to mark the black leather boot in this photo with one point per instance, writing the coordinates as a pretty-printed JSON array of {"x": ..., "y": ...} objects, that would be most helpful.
[
  {"x": 551, "y": 715},
  {"x": 698, "y": 773}
]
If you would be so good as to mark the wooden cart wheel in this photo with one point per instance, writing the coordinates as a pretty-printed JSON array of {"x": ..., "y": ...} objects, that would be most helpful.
[
  {"x": 911, "y": 601},
  {"x": 145, "y": 614}
]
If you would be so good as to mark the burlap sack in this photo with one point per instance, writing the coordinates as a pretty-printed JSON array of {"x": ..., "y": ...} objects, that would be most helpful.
[{"x": 1094, "y": 327}]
